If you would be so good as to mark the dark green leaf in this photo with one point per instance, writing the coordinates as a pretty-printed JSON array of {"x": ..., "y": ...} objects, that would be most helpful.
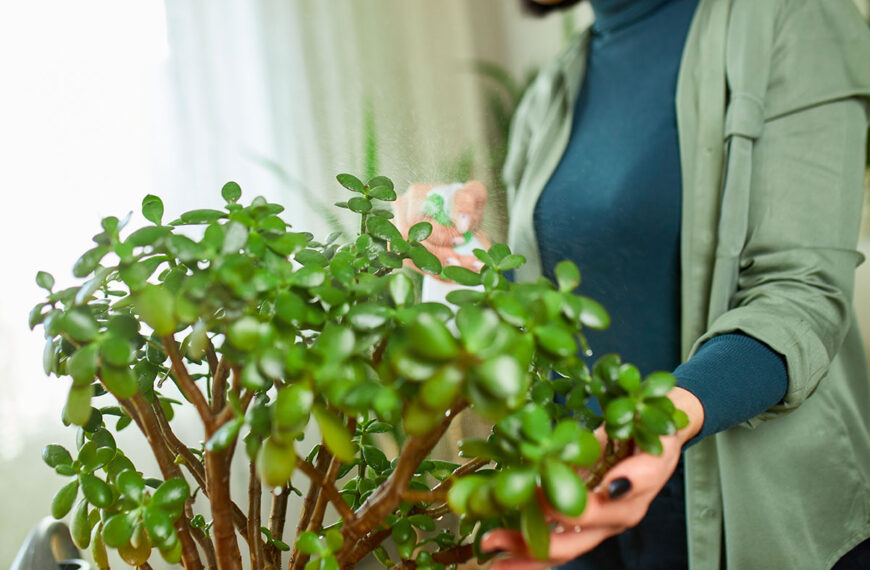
[
  {"x": 629, "y": 378},
  {"x": 152, "y": 209},
  {"x": 359, "y": 204},
  {"x": 477, "y": 326},
  {"x": 231, "y": 191},
  {"x": 287, "y": 244},
  {"x": 382, "y": 193},
  {"x": 461, "y": 275},
  {"x": 158, "y": 524},
  {"x": 89, "y": 260},
  {"x": 117, "y": 530},
  {"x": 171, "y": 494},
  {"x": 309, "y": 276},
  {"x": 311, "y": 257},
  {"x": 132, "y": 485},
  {"x": 536, "y": 423},
  {"x": 290, "y": 307},
  {"x": 424, "y": 259},
  {"x": 464, "y": 297},
  {"x": 419, "y": 231},
  {"x": 422, "y": 522},
  {"x": 351, "y": 182},
  {"x": 80, "y": 527},
  {"x": 54, "y": 455},
  {"x": 116, "y": 351},
  {"x": 656, "y": 420},
  {"x": 63, "y": 499},
  {"x": 382, "y": 228},
  {"x": 375, "y": 458},
  {"x": 95, "y": 490},
  {"x": 647, "y": 441},
  {"x": 380, "y": 181}
]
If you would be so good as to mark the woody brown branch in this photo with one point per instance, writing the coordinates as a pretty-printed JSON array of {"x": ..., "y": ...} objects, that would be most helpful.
[
  {"x": 194, "y": 465},
  {"x": 186, "y": 384},
  {"x": 328, "y": 488},
  {"x": 148, "y": 423},
  {"x": 320, "y": 463},
  {"x": 389, "y": 495}
]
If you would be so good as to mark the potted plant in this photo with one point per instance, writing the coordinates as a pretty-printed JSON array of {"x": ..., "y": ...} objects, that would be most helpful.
[{"x": 265, "y": 330}]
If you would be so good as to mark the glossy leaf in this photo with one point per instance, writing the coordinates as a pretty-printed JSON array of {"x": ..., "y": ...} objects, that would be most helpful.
[
  {"x": 351, "y": 182},
  {"x": 535, "y": 530},
  {"x": 382, "y": 228},
  {"x": 171, "y": 494},
  {"x": 656, "y": 420},
  {"x": 54, "y": 455},
  {"x": 132, "y": 485},
  {"x": 419, "y": 231},
  {"x": 80, "y": 527},
  {"x": 78, "y": 405},
  {"x": 593, "y": 315},
  {"x": 117, "y": 530},
  {"x": 95, "y": 490},
  {"x": 431, "y": 338},
  {"x": 556, "y": 340},
  {"x": 460, "y": 491},
  {"x": 564, "y": 488},
  {"x": 121, "y": 382},
  {"x": 461, "y": 275},
  {"x": 158, "y": 524},
  {"x": 44, "y": 280},
  {"x": 620, "y": 411},
  {"x": 89, "y": 261},
  {"x": 63, "y": 499},
  {"x": 424, "y": 259}
]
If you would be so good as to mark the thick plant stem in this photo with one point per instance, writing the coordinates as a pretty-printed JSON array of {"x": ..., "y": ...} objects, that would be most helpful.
[
  {"x": 328, "y": 489},
  {"x": 195, "y": 467},
  {"x": 255, "y": 544},
  {"x": 186, "y": 384},
  {"x": 217, "y": 476},
  {"x": 389, "y": 495},
  {"x": 614, "y": 452},
  {"x": 189, "y": 554},
  {"x": 277, "y": 515}
]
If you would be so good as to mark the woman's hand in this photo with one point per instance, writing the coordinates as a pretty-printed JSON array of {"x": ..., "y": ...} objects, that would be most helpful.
[{"x": 618, "y": 503}]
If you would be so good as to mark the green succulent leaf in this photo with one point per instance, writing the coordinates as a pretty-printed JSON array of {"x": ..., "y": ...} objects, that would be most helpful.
[
  {"x": 419, "y": 231},
  {"x": 567, "y": 276},
  {"x": 351, "y": 182},
  {"x": 95, "y": 490},
  {"x": 117, "y": 530},
  {"x": 54, "y": 455},
  {"x": 461, "y": 275},
  {"x": 156, "y": 306},
  {"x": 424, "y": 259},
  {"x": 564, "y": 488},
  {"x": 171, "y": 494},
  {"x": 231, "y": 192},
  {"x": 535, "y": 530},
  {"x": 80, "y": 526},
  {"x": 152, "y": 209},
  {"x": 44, "y": 280},
  {"x": 63, "y": 500}
]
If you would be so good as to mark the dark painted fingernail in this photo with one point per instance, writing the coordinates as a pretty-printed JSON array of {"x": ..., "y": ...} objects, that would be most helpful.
[{"x": 618, "y": 487}]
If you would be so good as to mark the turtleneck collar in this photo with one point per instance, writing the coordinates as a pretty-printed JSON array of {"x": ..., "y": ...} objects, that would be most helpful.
[{"x": 612, "y": 15}]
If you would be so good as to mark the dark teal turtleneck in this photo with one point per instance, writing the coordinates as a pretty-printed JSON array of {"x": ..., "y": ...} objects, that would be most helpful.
[{"x": 613, "y": 207}]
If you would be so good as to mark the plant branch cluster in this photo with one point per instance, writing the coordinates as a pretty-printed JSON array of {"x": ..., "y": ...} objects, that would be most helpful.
[{"x": 265, "y": 331}]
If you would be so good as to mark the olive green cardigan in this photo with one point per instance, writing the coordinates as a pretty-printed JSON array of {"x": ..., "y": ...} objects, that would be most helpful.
[{"x": 772, "y": 117}]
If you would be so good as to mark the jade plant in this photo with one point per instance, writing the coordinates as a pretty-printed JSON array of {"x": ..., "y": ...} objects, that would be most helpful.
[{"x": 264, "y": 330}]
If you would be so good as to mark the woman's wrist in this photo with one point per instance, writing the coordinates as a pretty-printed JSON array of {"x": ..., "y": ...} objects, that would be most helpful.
[{"x": 689, "y": 403}]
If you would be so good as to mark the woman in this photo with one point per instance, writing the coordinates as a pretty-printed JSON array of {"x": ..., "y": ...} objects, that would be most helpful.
[{"x": 724, "y": 227}]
